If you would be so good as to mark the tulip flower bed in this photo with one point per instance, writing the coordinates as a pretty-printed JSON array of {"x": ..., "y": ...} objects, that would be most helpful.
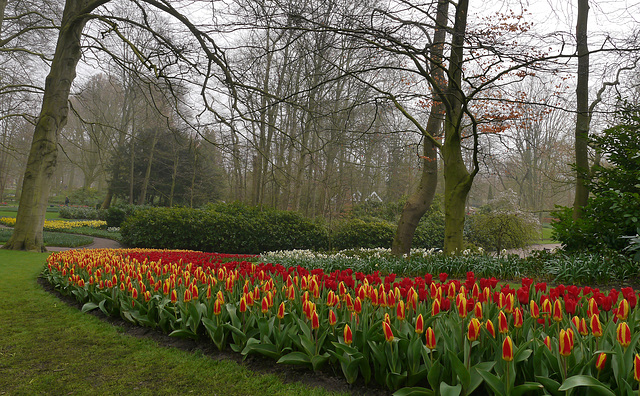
[
  {"x": 415, "y": 335},
  {"x": 59, "y": 225}
]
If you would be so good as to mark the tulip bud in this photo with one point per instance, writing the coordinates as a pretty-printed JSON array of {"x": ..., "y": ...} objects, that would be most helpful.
[
  {"x": 491, "y": 328},
  {"x": 517, "y": 318},
  {"x": 332, "y": 318},
  {"x": 315, "y": 321},
  {"x": 547, "y": 342},
  {"x": 400, "y": 310},
  {"x": 474, "y": 329},
  {"x": 534, "y": 309},
  {"x": 431, "y": 338},
  {"x": 636, "y": 368},
  {"x": 265, "y": 305},
  {"x": 601, "y": 361},
  {"x": 623, "y": 309},
  {"x": 281, "y": 311},
  {"x": 477, "y": 310},
  {"x": 596, "y": 327},
  {"x": 348, "y": 336},
  {"x": 557, "y": 311},
  {"x": 507, "y": 349},
  {"x": 217, "y": 307},
  {"x": 388, "y": 334},
  {"x": 565, "y": 343},
  {"x": 420, "y": 324},
  {"x": 503, "y": 325},
  {"x": 623, "y": 334}
]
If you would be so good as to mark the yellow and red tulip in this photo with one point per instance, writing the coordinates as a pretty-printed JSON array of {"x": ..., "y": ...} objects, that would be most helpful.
[
  {"x": 503, "y": 324},
  {"x": 280, "y": 313},
  {"x": 477, "y": 310},
  {"x": 332, "y": 318},
  {"x": 517, "y": 318},
  {"x": 473, "y": 331},
  {"x": 601, "y": 361},
  {"x": 507, "y": 349},
  {"x": 348, "y": 336},
  {"x": 534, "y": 309},
  {"x": 435, "y": 307},
  {"x": 388, "y": 334},
  {"x": 491, "y": 328},
  {"x": 400, "y": 310},
  {"x": 547, "y": 342},
  {"x": 623, "y": 334},
  {"x": 565, "y": 344},
  {"x": 596, "y": 327},
  {"x": 217, "y": 307},
  {"x": 265, "y": 305},
  {"x": 636, "y": 367},
  {"x": 557, "y": 311},
  {"x": 419, "y": 324},
  {"x": 623, "y": 310},
  {"x": 430, "y": 338},
  {"x": 315, "y": 320}
]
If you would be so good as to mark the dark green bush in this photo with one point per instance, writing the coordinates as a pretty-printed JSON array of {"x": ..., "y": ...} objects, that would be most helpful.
[
  {"x": 232, "y": 228},
  {"x": 116, "y": 214},
  {"x": 354, "y": 233}
]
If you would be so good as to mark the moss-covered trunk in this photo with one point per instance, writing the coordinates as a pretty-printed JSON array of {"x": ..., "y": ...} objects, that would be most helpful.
[{"x": 43, "y": 154}]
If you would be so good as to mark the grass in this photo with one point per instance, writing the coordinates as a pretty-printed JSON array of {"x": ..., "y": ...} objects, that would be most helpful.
[
  {"x": 53, "y": 238},
  {"x": 47, "y": 347},
  {"x": 94, "y": 232},
  {"x": 9, "y": 211},
  {"x": 546, "y": 235}
]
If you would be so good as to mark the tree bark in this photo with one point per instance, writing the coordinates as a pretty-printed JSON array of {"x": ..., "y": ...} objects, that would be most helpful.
[
  {"x": 420, "y": 201},
  {"x": 41, "y": 164},
  {"x": 457, "y": 179},
  {"x": 583, "y": 118},
  {"x": 147, "y": 174}
]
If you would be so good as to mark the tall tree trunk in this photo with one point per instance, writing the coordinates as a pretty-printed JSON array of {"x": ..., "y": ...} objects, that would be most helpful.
[
  {"x": 420, "y": 201},
  {"x": 457, "y": 179},
  {"x": 41, "y": 164},
  {"x": 583, "y": 118},
  {"x": 147, "y": 174}
]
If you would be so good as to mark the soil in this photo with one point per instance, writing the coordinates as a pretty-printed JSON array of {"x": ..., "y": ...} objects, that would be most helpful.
[{"x": 326, "y": 379}]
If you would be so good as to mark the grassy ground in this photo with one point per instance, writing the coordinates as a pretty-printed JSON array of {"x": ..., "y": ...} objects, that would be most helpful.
[
  {"x": 47, "y": 347},
  {"x": 10, "y": 211},
  {"x": 546, "y": 235},
  {"x": 94, "y": 232},
  {"x": 53, "y": 238}
]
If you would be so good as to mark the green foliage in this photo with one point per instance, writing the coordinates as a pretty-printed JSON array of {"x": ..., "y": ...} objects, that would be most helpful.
[
  {"x": 233, "y": 228},
  {"x": 85, "y": 196},
  {"x": 501, "y": 225},
  {"x": 70, "y": 212},
  {"x": 613, "y": 210},
  {"x": 117, "y": 214},
  {"x": 365, "y": 234}
]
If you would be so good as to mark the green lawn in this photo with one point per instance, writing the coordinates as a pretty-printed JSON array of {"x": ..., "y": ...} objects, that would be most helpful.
[
  {"x": 12, "y": 211},
  {"x": 47, "y": 347},
  {"x": 52, "y": 238}
]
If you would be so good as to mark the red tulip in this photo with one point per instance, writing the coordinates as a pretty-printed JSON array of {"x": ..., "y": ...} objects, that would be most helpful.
[
  {"x": 623, "y": 334},
  {"x": 623, "y": 310},
  {"x": 400, "y": 311},
  {"x": 547, "y": 342},
  {"x": 435, "y": 307},
  {"x": 315, "y": 321},
  {"x": 419, "y": 324},
  {"x": 517, "y": 318},
  {"x": 477, "y": 310},
  {"x": 332, "y": 318},
  {"x": 503, "y": 325},
  {"x": 217, "y": 307},
  {"x": 601, "y": 361},
  {"x": 490, "y": 328},
  {"x": 388, "y": 334},
  {"x": 534, "y": 309},
  {"x": 565, "y": 343},
  {"x": 174, "y": 296},
  {"x": 507, "y": 349},
  {"x": 431, "y": 338},
  {"x": 461, "y": 305},
  {"x": 348, "y": 336},
  {"x": 474, "y": 329},
  {"x": 596, "y": 327},
  {"x": 557, "y": 311}
]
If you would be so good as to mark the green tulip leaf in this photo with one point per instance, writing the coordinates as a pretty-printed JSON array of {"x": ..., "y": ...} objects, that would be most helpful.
[
  {"x": 587, "y": 381},
  {"x": 448, "y": 390},
  {"x": 416, "y": 391}
]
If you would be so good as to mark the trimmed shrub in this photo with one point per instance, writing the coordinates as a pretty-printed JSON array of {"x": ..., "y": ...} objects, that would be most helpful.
[
  {"x": 116, "y": 214},
  {"x": 355, "y": 233},
  {"x": 233, "y": 228},
  {"x": 67, "y": 212}
]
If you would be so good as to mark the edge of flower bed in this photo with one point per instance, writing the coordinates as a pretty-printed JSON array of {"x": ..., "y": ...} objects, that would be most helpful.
[{"x": 257, "y": 363}]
